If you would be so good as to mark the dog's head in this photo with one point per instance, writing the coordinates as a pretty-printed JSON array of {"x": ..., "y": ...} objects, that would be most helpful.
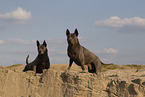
[
  {"x": 72, "y": 38},
  {"x": 41, "y": 47}
]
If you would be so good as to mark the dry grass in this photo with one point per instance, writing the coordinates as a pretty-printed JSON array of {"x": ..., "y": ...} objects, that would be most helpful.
[
  {"x": 13, "y": 66},
  {"x": 74, "y": 67},
  {"x": 113, "y": 66},
  {"x": 63, "y": 67}
]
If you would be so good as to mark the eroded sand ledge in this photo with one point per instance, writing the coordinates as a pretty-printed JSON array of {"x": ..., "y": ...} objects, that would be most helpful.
[{"x": 57, "y": 83}]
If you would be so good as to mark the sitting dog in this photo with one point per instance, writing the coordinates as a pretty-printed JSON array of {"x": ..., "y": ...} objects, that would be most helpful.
[
  {"x": 80, "y": 55},
  {"x": 42, "y": 60}
]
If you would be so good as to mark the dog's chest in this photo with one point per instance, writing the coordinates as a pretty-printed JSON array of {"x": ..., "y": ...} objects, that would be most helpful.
[
  {"x": 75, "y": 53},
  {"x": 72, "y": 51}
]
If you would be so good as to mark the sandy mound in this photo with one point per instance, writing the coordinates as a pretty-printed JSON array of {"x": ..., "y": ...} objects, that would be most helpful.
[{"x": 56, "y": 82}]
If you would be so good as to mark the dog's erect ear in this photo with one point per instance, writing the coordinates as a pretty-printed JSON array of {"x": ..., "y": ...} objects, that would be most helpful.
[
  {"x": 76, "y": 32},
  {"x": 67, "y": 32},
  {"x": 44, "y": 43},
  {"x": 38, "y": 43}
]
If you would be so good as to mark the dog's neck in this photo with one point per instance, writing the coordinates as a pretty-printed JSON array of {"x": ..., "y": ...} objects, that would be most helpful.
[{"x": 73, "y": 49}]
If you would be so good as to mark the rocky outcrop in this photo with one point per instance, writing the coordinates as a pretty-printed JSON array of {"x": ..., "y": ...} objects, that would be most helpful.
[
  {"x": 58, "y": 83},
  {"x": 52, "y": 83},
  {"x": 118, "y": 88},
  {"x": 126, "y": 83}
]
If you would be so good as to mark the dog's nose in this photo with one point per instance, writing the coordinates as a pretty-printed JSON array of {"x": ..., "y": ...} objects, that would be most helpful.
[{"x": 70, "y": 41}]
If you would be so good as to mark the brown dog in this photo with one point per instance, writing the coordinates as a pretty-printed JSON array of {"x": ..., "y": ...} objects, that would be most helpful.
[
  {"x": 80, "y": 55},
  {"x": 42, "y": 60}
]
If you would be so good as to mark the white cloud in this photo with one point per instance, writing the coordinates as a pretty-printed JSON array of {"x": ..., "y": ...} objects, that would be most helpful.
[
  {"x": 2, "y": 42},
  {"x": 52, "y": 42},
  {"x": 116, "y": 22},
  {"x": 25, "y": 51},
  {"x": 19, "y": 15},
  {"x": 84, "y": 39},
  {"x": 110, "y": 50},
  {"x": 107, "y": 50},
  {"x": 131, "y": 25},
  {"x": 18, "y": 41}
]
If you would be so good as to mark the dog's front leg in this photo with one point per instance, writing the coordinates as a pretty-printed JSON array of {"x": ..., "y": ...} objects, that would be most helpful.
[
  {"x": 83, "y": 68},
  {"x": 82, "y": 61},
  {"x": 43, "y": 67},
  {"x": 70, "y": 64},
  {"x": 34, "y": 68}
]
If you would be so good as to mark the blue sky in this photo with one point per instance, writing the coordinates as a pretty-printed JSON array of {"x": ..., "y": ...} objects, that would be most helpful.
[{"x": 112, "y": 29}]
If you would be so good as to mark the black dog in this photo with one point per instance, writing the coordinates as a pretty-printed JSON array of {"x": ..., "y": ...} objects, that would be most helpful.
[
  {"x": 42, "y": 60},
  {"x": 80, "y": 55}
]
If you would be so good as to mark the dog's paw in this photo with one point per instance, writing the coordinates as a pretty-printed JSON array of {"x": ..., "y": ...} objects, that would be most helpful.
[
  {"x": 95, "y": 74},
  {"x": 66, "y": 72},
  {"x": 44, "y": 70},
  {"x": 83, "y": 71}
]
